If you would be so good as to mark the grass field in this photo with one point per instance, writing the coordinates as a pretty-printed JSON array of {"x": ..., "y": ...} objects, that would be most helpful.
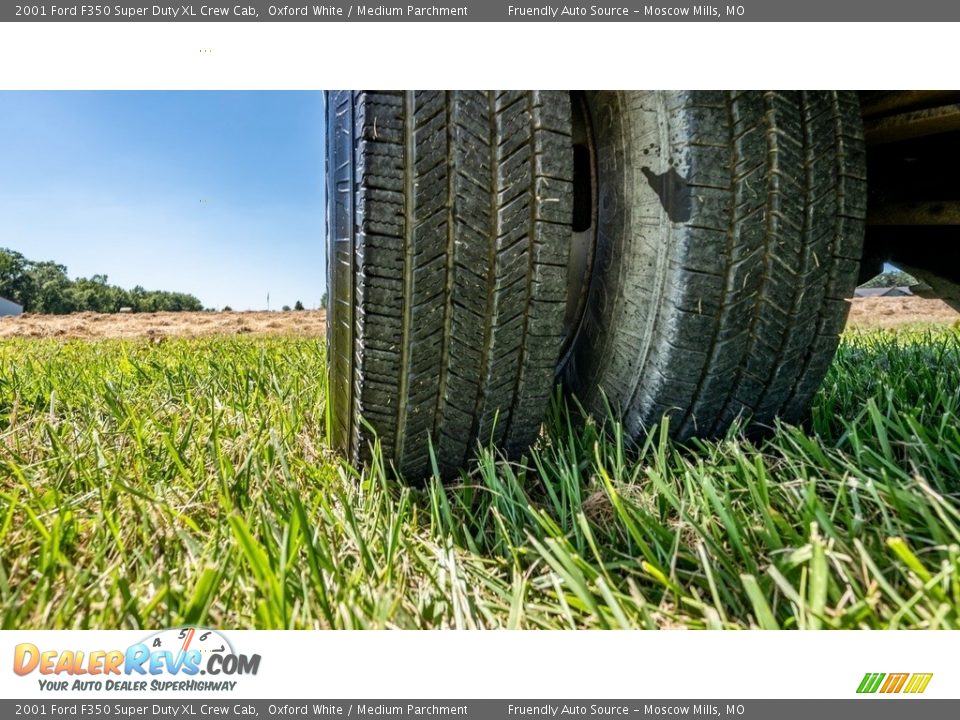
[{"x": 146, "y": 485}]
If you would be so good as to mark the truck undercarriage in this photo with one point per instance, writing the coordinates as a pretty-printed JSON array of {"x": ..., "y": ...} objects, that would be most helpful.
[{"x": 913, "y": 148}]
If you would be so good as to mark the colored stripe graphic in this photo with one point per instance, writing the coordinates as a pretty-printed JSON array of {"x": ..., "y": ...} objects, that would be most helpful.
[
  {"x": 870, "y": 682},
  {"x": 918, "y": 682},
  {"x": 893, "y": 683}
]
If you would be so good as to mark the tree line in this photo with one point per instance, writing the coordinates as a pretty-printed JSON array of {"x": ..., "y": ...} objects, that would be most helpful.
[
  {"x": 891, "y": 278},
  {"x": 44, "y": 287}
]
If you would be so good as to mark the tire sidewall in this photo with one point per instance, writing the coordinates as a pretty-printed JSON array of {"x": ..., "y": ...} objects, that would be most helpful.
[{"x": 634, "y": 234}]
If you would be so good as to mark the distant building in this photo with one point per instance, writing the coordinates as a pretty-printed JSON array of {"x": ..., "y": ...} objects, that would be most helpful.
[
  {"x": 9, "y": 307},
  {"x": 901, "y": 291}
]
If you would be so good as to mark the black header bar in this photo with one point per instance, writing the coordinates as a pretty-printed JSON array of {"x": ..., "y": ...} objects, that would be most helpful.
[{"x": 489, "y": 11}]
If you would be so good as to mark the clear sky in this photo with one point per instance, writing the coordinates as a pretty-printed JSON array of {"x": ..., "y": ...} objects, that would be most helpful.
[{"x": 219, "y": 194}]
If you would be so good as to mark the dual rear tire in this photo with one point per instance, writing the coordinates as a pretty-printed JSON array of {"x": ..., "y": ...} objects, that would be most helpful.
[
  {"x": 692, "y": 262},
  {"x": 729, "y": 234},
  {"x": 449, "y": 215}
]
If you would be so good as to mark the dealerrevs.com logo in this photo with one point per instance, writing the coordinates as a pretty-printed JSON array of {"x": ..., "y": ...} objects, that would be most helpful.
[{"x": 170, "y": 660}]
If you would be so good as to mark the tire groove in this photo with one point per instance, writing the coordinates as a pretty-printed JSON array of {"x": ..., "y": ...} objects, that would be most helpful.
[
  {"x": 450, "y": 98},
  {"x": 409, "y": 169},
  {"x": 484, "y": 385},
  {"x": 530, "y": 259}
]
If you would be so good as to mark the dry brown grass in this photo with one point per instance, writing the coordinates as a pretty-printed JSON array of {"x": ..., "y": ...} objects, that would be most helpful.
[
  {"x": 87, "y": 326},
  {"x": 865, "y": 313},
  {"x": 886, "y": 312}
]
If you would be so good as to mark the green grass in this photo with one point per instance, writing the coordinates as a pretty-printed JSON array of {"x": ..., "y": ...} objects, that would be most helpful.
[{"x": 148, "y": 486}]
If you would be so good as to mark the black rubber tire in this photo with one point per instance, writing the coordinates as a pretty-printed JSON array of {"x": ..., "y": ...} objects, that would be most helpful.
[
  {"x": 448, "y": 235},
  {"x": 729, "y": 231}
]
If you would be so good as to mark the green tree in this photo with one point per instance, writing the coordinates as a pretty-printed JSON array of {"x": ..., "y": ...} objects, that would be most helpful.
[
  {"x": 45, "y": 287},
  {"x": 298, "y": 306},
  {"x": 891, "y": 278},
  {"x": 15, "y": 281},
  {"x": 94, "y": 295},
  {"x": 51, "y": 288}
]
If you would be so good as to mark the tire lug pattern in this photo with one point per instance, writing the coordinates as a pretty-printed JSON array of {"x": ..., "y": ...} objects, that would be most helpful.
[{"x": 458, "y": 264}]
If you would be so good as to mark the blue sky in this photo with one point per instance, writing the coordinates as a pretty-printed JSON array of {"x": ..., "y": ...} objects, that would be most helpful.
[{"x": 219, "y": 194}]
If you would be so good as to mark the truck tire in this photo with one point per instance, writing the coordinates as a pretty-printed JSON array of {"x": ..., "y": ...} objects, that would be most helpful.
[
  {"x": 448, "y": 233},
  {"x": 729, "y": 228}
]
